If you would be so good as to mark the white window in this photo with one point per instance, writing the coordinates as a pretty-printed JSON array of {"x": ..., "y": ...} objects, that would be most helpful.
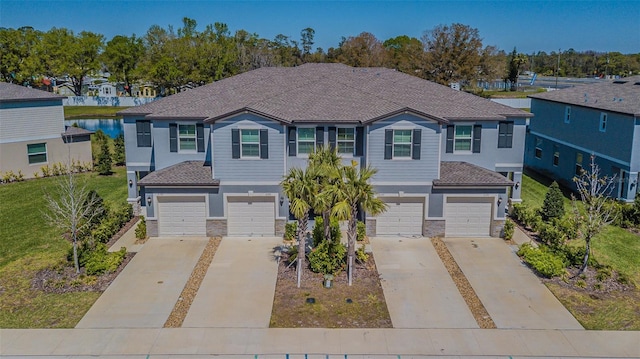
[
  {"x": 37, "y": 153},
  {"x": 567, "y": 114},
  {"x": 306, "y": 140},
  {"x": 463, "y": 138},
  {"x": 187, "y": 138},
  {"x": 556, "y": 155},
  {"x": 345, "y": 141},
  {"x": 250, "y": 143},
  {"x": 603, "y": 122},
  {"x": 402, "y": 143}
]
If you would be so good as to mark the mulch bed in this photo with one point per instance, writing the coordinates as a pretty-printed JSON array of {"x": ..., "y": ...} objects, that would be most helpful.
[{"x": 361, "y": 305}]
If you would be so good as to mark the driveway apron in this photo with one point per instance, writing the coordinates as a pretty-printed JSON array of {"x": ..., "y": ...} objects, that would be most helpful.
[
  {"x": 238, "y": 289},
  {"x": 145, "y": 292},
  {"x": 511, "y": 293},
  {"x": 417, "y": 287}
]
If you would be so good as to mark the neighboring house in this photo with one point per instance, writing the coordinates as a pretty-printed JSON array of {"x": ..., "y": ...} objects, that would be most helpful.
[
  {"x": 32, "y": 132},
  {"x": 209, "y": 161},
  {"x": 144, "y": 90},
  {"x": 573, "y": 124},
  {"x": 107, "y": 89},
  {"x": 66, "y": 89}
]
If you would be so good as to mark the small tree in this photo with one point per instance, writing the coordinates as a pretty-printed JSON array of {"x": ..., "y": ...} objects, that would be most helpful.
[
  {"x": 553, "y": 206},
  {"x": 104, "y": 159},
  {"x": 594, "y": 191},
  {"x": 118, "y": 150},
  {"x": 71, "y": 208}
]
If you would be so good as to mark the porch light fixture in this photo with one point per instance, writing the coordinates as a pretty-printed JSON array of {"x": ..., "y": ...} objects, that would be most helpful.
[
  {"x": 149, "y": 200},
  {"x": 281, "y": 201},
  {"x": 633, "y": 184},
  {"x": 517, "y": 185},
  {"x": 499, "y": 201},
  {"x": 130, "y": 183}
]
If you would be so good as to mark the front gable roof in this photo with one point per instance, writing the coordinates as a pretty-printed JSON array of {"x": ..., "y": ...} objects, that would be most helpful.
[
  {"x": 15, "y": 93},
  {"x": 187, "y": 173},
  {"x": 333, "y": 93},
  {"x": 463, "y": 174}
]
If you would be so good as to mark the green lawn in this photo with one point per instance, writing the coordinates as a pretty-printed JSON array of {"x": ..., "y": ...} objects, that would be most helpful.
[
  {"x": 71, "y": 112},
  {"x": 29, "y": 244},
  {"x": 534, "y": 189}
]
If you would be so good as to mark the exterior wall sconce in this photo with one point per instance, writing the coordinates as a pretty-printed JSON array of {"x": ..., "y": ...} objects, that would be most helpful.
[
  {"x": 130, "y": 183},
  {"x": 499, "y": 201},
  {"x": 149, "y": 200},
  {"x": 517, "y": 185},
  {"x": 633, "y": 184},
  {"x": 281, "y": 201}
]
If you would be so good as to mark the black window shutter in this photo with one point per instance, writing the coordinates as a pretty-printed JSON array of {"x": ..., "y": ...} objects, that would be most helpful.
[
  {"x": 173, "y": 137},
  {"x": 509, "y": 137},
  {"x": 359, "y": 141},
  {"x": 200, "y": 137},
  {"x": 264, "y": 143},
  {"x": 502, "y": 136},
  {"x": 332, "y": 138},
  {"x": 292, "y": 141},
  {"x": 235, "y": 143},
  {"x": 477, "y": 134},
  {"x": 388, "y": 144},
  {"x": 416, "y": 145},
  {"x": 450, "y": 133},
  {"x": 319, "y": 137},
  {"x": 140, "y": 133}
]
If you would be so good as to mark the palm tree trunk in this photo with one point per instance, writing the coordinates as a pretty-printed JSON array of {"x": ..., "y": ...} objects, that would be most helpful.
[
  {"x": 302, "y": 235},
  {"x": 351, "y": 235},
  {"x": 326, "y": 220}
]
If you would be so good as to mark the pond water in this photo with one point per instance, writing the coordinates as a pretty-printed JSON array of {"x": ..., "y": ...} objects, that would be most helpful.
[{"x": 112, "y": 127}]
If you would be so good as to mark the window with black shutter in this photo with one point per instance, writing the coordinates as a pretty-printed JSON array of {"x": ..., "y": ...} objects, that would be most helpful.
[
  {"x": 143, "y": 132},
  {"x": 505, "y": 135}
]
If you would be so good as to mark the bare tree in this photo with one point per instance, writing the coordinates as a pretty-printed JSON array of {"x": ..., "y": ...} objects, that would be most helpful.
[
  {"x": 71, "y": 207},
  {"x": 594, "y": 192}
]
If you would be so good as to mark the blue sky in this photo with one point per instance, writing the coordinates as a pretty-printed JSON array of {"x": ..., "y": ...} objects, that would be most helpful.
[{"x": 528, "y": 25}]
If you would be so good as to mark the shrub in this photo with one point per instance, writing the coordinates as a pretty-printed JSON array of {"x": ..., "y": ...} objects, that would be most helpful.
[
  {"x": 567, "y": 225},
  {"x": 509, "y": 228},
  {"x": 141, "y": 228},
  {"x": 290, "y": 231},
  {"x": 361, "y": 229},
  {"x": 361, "y": 255},
  {"x": 542, "y": 261},
  {"x": 553, "y": 206},
  {"x": 603, "y": 273},
  {"x": 550, "y": 235},
  {"x": 118, "y": 150},
  {"x": 318, "y": 231},
  {"x": 103, "y": 165},
  {"x": 101, "y": 261},
  {"x": 328, "y": 257},
  {"x": 526, "y": 215}
]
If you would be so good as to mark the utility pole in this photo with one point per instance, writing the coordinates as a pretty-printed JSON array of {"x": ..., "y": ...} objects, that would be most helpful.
[{"x": 558, "y": 69}]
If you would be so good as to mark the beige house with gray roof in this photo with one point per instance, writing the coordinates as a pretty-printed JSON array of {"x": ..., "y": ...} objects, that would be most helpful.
[{"x": 209, "y": 161}]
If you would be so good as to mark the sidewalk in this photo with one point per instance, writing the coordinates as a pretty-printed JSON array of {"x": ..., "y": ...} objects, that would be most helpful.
[
  {"x": 356, "y": 343},
  {"x": 128, "y": 240}
]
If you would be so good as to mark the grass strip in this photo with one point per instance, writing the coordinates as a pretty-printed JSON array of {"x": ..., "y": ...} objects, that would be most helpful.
[
  {"x": 190, "y": 290},
  {"x": 478, "y": 310}
]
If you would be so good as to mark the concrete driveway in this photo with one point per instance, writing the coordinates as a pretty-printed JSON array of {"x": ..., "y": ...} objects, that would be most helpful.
[
  {"x": 145, "y": 292},
  {"x": 238, "y": 289},
  {"x": 417, "y": 287},
  {"x": 511, "y": 293}
]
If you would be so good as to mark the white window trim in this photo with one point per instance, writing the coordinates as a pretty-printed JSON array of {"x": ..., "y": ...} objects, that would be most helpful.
[
  {"x": 464, "y": 152},
  {"x": 393, "y": 145},
  {"x": 567, "y": 114},
  {"x": 195, "y": 137},
  {"x": 305, "y": 141},
  {"x": 46, "y": 153},
  {"x": 604, "y": 118},
  {"x": 242, "y": 156},
  {"x": 347, "y": 155}
]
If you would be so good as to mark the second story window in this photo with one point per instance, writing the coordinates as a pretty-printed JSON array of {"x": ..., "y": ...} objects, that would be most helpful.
[
  {"x": 401, "y": 143},
  {"x": 306, "y": 140},
  {"x": 567, "y": 114},
  {"x": 603, "y": 122},
  {"x": 463, "y": 138},
  {"x": 250, "y": 143},
  {"x": 345, "y": 141},
  {"x": 505, "y": 135},
  {"x": 143, "y": 133},
  {"x": 187, "y": 138}
]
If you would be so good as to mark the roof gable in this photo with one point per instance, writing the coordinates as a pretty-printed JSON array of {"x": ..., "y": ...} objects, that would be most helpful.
[{"x": 13, "y": 93}]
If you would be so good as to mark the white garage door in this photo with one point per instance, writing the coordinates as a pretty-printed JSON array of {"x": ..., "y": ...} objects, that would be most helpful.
[
  {"x": 251, "y": 216},
  {"x": 468, "y": 219},
  {"x": 403, "y": 217},
  {"x": 182, "y": 216}
]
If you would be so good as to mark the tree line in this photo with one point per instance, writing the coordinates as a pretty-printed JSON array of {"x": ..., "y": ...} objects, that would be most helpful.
[{"x": 171, "y": 59}]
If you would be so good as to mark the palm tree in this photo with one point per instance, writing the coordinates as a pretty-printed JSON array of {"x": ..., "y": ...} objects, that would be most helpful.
[
  {"x": 300, "y": 188},
  {"x": 353, "y": 191},
  {"x": 323, "y": 162}
]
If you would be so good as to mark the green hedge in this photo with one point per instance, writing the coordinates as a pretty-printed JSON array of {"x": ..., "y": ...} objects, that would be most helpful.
[{"x": 542, "y": 261}]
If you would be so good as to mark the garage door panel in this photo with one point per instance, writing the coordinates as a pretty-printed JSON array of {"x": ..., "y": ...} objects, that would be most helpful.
[
  {"x": 249, "y": 217},
  {"x": 401, "y": 218},
  {"x": 471, "y": 219},
  {"x": 182, "y": 216}
]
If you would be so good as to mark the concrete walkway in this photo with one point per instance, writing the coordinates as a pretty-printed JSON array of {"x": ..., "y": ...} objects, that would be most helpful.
[
  {"x": 128, "y": 240},
  {"x": 356, "y": 343},
  {"x": 145, "y": 292},
  {"x": 511, "y": 293},
  {"x": 417, "y": 287},
  {"x": 238, "y": 290}
]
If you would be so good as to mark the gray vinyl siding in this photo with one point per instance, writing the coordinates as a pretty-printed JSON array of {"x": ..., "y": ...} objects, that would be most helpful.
[
  {"x": 162, "y": 156},
  {"x": 31, "y": 120},
  {"x": 158, "y": 191},
  {"x": 490, "y": 154},
  {"x": 301, "y": 161},
  {"x": 216, "y": 199},
  {"x": 226, "y": 168},
  {"x": 583, "y": 128},
  {"x": 424, "y": 169},
  {"x": 138, "y": 158}
]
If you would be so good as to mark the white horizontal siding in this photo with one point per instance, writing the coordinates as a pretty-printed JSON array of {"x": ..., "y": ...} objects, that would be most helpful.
[{"x": 31, "y": 123}]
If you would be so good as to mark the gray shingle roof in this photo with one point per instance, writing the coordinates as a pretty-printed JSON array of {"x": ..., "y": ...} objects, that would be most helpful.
[
  {"x": 466, "y": 174},
  {"x": 187, "y": 173},
  {"x": 11, "y": 93},
  {"x": 325, "y": 93},
  {"x": 75, "y": 131},
  {"x": 621, "y": 95}
]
